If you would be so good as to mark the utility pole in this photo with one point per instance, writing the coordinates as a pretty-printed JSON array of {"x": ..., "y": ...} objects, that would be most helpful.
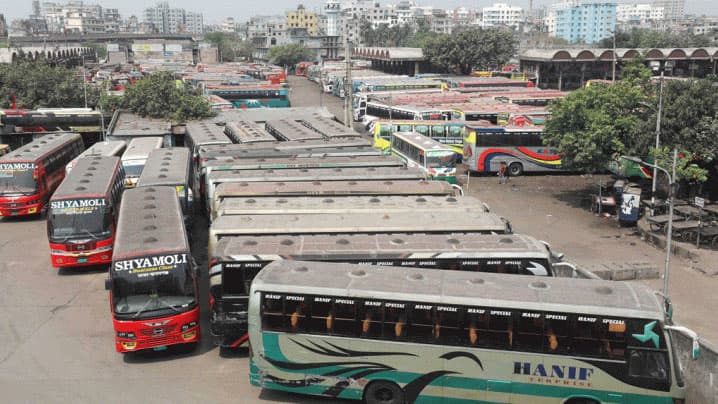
[
  {"x": 658, "y": 138},
  {"x": 347, "y": 83},
  {"x": 613, "y": 68},
  {"x": 84, "y": 79}
]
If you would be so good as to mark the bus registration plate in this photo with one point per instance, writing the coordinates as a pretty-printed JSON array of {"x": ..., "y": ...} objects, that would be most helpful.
[{"x": 81, "y": 260}]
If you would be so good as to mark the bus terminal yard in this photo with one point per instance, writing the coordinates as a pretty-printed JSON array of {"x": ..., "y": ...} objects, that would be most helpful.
[{"x": 284, "y": 193}]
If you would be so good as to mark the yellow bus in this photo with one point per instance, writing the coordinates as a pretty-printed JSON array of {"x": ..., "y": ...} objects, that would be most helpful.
[{"x": 449, "y": 133}]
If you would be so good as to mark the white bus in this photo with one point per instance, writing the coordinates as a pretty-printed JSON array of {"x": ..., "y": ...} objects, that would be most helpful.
[
  {"x": 436, "y": 159},
  {"x": 395, "y": 335},
  {"x": 109, "y": 148},
  {"x": 135, "y": 157}
]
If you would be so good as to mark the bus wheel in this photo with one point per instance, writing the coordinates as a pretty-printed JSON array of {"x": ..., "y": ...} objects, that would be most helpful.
[
  {"x": 381, "y": 392},
  {"x": 581, "y": 400},
  {"x": 516, "y": 169}
]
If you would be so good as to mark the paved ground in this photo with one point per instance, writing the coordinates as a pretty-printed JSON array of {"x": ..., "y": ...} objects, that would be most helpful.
[{"x": 56, "y": 330}]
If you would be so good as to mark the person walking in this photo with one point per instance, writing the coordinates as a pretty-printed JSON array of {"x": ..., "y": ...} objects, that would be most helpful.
[{"x": 502, "y": 173}]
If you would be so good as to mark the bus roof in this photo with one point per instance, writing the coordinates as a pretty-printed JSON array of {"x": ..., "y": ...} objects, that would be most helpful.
[
  {"x": 423, "y": 142},
  {"x": 342, "y": 204},
  {"x": 219, "y": 156},
  {"x": 418, "y": 122},
  {"x": 140, "y": 148},
  {"x": 329, "y": 127},
  {"x": 127, "y": 124},
  {"x": 266, "y": 114},
  {"x": 248, "y": 132},
  {"x": 319, "y": 174},
  {"x": 289, "y": 129},
  {"x": 319, "y": 188},
  {"x": 41, "y": 147},
  {"x": 150, "y": 222},
  {"x": 461, "y": 288},
  {"x": 168, "y": 166},
  {"x": 442, "y": 221},
  {"x": 280, "y": 145},
  {"x": 92, "y": 176},
  {"x": 367, "y": 246},
  {"x": 204, "y": 133},
  {"x": 106, "y": 148},
  {"x": 313, "y": 162}
]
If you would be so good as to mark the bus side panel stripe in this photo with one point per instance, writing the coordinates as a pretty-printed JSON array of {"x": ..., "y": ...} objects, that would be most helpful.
[{"x": 540, "y": 157}]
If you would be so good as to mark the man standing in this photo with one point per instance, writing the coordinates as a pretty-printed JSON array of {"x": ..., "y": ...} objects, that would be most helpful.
[{"x": 502, "y": 173}]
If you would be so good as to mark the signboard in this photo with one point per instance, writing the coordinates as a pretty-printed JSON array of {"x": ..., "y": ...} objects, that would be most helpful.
[
  {"x": 141, "y": 47},
  {"x": 173, "y": 47},
  {"x": 700, "y": 202},
  {"x": 629, "y": 207},
  {"x": 113, "y": 47},
  {"x": 77, "y": 206},
  {"x": 150, "y": 266},
  {"x": 10, "y": 169}
]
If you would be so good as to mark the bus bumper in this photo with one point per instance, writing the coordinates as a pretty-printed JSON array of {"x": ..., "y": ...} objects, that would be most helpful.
[
  {"x": 157, "y": 333},
  {"x": 228, "y": 330},
  {"x": 67, "y": 259},
  {"x": 7, "y": 210}
]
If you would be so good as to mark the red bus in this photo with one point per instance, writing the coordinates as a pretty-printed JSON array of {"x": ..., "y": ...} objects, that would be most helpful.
[
  {"x": 30, "y": 174},
  {"x": 153, "y": 279},
  {"x": 82, "y": 212}
]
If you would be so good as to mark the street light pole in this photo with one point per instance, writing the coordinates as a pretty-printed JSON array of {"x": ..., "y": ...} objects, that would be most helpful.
[
  {"x": 613, "y": 65},
  {"x": 84, "y": 79},
  {"x": 658, "y": 139}
]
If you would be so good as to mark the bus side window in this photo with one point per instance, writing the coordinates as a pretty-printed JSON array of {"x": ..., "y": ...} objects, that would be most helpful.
[
  {"x": 422, "y": 324},
  {"x": 556, "y": 333},
  {"x": 370, "y": 319},
  {"x": 447, "y": 328},
  {"x": 344, "y": 318},
  {"x": 295, "y": 312},
  {"x": 321, "y": 320},
  {"x": 395, "y": 321},
  {"x": 272, "y": 313},
  {"x": 530, "y": 332}
]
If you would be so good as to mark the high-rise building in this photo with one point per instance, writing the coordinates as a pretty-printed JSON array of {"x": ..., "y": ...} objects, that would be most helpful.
[
  {"x": 301, "y": 18},
  {"x": 173, "y": 20},
  {"x": 672, "y": 9},
  {"x": 587, "y": 23},
  {"x": 501, "y": 14},
  {"x": 332, "y": 10},
  {"x": 638, "y": 14},
  {"x": 76, "y": 17}
]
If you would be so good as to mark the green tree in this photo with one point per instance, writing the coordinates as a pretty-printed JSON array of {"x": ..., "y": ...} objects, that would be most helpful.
[
  {"x": 160, "y": 96},
  {"x": 648, "y": 38},
  {"x": 229, "y": 45},
  {"x": 592, "y": 126},
  {"x": 686, "y": 169},
  {"x": 289, "y": 55},
  {"x": 100, "y": 49},
  {"x": 36, "y": 84},
  {"x": 471, "y": 49}
]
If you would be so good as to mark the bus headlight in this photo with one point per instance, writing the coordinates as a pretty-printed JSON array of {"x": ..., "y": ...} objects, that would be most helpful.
[
  {"x": 32, "y": 210},
  {"x": 129, "y": 345},
  {"x": 189, "y": 335},
  {"x": 127, "y": 335}
]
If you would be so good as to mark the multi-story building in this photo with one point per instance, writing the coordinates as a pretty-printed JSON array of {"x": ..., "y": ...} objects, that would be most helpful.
[
  {"x": 332, "y": 11},
  {"x": 638, "y": 15},
  {"x": 112, "y": 19},
  {"x": 672, "y": 9},
  {"x": 301, "y": 18},
  {"x": 173, "y": 20},
  {"x": 228, "y": 25},
  {"x": 3, "y": 26},
  {"x": 586, "y": 23},
  {"x": 77, "y": 17},
  {"x": 501, "y": 14}
]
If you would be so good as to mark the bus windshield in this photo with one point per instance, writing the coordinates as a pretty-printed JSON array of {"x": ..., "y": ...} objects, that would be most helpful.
[
  {"x": 15, "y": 179},
  {"x": 79, "y": 223},
  {"x": 133, "y": 168},
  {"x": 441, "y": 160},
  {"x": 141, "y": 294}
]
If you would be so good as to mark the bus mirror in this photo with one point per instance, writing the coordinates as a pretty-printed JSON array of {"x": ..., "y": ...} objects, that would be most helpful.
[
  {"x": 108, "y": 284},
  {"x": 695, "y": 341}
]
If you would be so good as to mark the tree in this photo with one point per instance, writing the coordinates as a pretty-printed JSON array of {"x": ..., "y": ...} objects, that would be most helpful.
[
  {"x": 647, "y": 38},
  {"x": 385, "y": 35},
  {"x": 160, "y": 96},
  {"x": 592, "y": 126},
  {"x": 289, "y": 55},
  {"x": 472, "y": 49},
  {"x": 36, "y": 84},
  {"x": 229, "y": 45}
]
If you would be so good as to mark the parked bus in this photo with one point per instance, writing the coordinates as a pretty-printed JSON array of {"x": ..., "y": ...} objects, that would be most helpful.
[
  {"x": 170, "y": 167},
  {"x": 247, "y": 132},
  {"x": 486, "y": 147},
  {"x": 81, "y": 220},
  {"x": 135, "y": 157},
  {"x": 252, "y": 95},
  {"x": 238, "y": 149},
  {"x": 306, "y": 205},
  {"x": 317, "y": 189},
  {"x": 106, "y": 149},
  {"x": 238, "y": 259},
  {"x": 449, "y": 133},
  {"x": 302, "y": 68},
  {"x": 350, "y": 332},
  {"x": 377, "y": 110},
  {"x": 437, "y": 161},
  {"x": 289, "y": 129},
  {"x": 329, "y": 128},
  {"x": 30, "y": 174},
  {"x": 153, "y": 283},
  {"x": 203, "y": 134},
  {"x": 436, "y": 222}
]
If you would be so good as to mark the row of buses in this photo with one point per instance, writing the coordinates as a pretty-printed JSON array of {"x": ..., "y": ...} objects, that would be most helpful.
[{"x": 397, "y": 291}]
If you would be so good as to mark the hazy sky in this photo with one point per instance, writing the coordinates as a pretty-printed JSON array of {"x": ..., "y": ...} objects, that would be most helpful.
[{"x": 216, "y": 10}]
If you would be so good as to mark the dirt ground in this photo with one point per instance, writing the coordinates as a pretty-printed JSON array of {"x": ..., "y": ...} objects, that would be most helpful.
[{"x": 555, "y": 208}]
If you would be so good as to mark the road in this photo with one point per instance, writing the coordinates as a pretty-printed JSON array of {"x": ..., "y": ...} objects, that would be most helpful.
[{"x": 57, "y": 331}]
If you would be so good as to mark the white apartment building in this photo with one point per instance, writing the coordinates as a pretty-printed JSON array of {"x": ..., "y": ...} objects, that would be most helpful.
[
  {"x": 332, "y": 11},
  {"x": 638, "y": 13},
  {"x": 173, "y": 20},
  {"x": 77, "y": 17},
  {"x": 672, "y": 9},
  {"x": 501, "y": 14}
]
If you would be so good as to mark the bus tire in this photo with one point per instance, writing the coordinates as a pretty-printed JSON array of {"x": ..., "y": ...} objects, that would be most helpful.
[
  {"x": 516, "y": 169},
  {"x": 383, "y": 392},
  {"x": 581, "y": 400}
]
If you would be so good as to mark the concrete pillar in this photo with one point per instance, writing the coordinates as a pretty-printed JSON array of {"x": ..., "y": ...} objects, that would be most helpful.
[
  {"x": 417, "y": 69},
  {"x": 560, "y": 78}
]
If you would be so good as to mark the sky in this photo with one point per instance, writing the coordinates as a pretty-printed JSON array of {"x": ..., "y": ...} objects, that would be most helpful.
[{"x": 215, "y": 11}]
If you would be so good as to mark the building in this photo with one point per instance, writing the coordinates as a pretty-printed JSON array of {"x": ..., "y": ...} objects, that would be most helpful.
[
  {"x": 112, "y": 19},
  {"x": 501, "y": 14},
  {"x": 672, "y": 9},
  {"x": 638, "y": 14},
  {"x": 168, "y": 20},
  {"x": 228, "y": 25},
  {"x": 586, "y": 23},
  {"x": 332, "y": 11},
  {"x": 76, "y": 17},
  {"x": 3, "y": 26},
  {"x": 300, "y": 18}
]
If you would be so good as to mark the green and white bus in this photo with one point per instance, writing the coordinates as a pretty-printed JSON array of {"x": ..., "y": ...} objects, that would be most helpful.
[
  {"x": 414, "y": 335},
  {"x": 417, "y": 150}
]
